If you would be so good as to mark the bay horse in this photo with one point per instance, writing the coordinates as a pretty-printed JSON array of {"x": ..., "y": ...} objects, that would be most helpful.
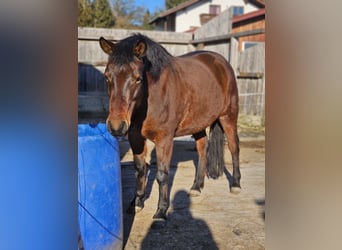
[{"x": 154, "y": 95}]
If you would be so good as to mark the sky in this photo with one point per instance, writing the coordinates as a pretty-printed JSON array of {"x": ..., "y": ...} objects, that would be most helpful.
[{"x": 151, "y": 5}]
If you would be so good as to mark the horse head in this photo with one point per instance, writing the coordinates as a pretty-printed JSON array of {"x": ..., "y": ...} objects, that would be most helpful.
[{"x": 124, "y": 77}]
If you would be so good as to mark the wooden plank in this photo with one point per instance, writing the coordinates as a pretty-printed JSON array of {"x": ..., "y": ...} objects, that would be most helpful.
[
  {"x": 234, "y": 54},
  {"x": 222, "y": 38},
  {"x": 262, "y": 104},
  {"x": 255, "y": 75},
  {"x": 93, "y": 34},
  {"x": 89, "y": 51},
  {"x": 116, "y": 39},
  {"x": 252, "y": 59}
]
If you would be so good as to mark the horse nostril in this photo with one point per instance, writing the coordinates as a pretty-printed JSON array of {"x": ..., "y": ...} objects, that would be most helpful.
[
  {"x": 119, "y": 129},
  {"x": 109, "y": 127},
  {"x": 123, "y": 127}
]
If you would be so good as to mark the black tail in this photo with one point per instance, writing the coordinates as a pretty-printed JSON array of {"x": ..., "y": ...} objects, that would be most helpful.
[{"x": 215, "y": 166}]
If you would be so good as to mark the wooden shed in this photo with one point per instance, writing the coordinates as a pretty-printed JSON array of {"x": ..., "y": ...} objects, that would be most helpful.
[{"x": 253, "y": 21}]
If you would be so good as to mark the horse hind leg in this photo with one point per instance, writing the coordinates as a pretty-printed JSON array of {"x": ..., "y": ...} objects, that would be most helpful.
[
  {"x": 201, "y": 146},
  {"x": 229, "y": 125}
]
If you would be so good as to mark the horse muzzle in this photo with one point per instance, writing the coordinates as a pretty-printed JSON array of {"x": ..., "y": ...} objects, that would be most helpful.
[{"x": 119, "y": 128}]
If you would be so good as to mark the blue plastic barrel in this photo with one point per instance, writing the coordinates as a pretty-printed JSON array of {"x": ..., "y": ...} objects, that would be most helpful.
[{"x": 99, "y": 188}]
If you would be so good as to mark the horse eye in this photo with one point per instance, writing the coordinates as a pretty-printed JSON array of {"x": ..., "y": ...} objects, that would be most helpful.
[{"x": 138, "y": 80}]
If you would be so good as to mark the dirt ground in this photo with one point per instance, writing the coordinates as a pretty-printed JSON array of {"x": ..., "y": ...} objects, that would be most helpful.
[{"x": 217, "y": 219}]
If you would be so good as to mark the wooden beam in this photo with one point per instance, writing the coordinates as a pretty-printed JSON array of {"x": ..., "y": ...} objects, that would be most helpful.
[
  {"x": 255, "y": 75},
  {"x": 217, "y": 39},
  {"x": 159, "y": 40}
]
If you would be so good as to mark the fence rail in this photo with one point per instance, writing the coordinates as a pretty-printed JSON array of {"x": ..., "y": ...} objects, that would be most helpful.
[{"x": 226, "y": 37}]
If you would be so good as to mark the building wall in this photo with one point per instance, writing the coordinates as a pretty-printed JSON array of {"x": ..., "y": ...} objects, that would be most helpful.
[{"x": 191, "y": 15}]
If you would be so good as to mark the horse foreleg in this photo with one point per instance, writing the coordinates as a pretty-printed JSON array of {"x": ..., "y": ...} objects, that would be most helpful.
[
  {"x": 201, "y": 146},
  {"x": 141, "y": 169},
  {"x": 163, "y": 151},
  {"x": 138, "y": 145}
]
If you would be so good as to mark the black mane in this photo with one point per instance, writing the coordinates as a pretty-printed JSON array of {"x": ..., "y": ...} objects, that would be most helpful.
[{"x": 156, "y": 58}]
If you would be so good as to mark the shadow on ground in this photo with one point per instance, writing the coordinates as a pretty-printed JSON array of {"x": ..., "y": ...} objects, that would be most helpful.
[{"x": 179, "y": 230}]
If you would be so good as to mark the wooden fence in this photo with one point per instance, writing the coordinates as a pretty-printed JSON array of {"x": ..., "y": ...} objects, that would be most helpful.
[
  {"x": 249, "y": 65},
  {"x": 251, "y": 82}
]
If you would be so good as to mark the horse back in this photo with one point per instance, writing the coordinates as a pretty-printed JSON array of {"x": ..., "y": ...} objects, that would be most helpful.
[
  {"x": 210, "y": 76},
  {"x": 191, "y": 94},
  {"x": 217, "y": 65}
]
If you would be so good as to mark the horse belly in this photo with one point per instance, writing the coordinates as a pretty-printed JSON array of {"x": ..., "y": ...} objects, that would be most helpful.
[
  {"x": 197, "y": 120},
  {"x": 189, "y": 130},
  {"x": 203, "y": 107}
]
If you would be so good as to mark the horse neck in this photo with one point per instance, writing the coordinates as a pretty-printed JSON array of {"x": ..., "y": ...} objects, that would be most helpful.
[{"x": 140, "y": 109}]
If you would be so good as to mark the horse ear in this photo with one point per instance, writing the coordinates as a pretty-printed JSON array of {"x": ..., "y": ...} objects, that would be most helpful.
[
  {"x": 107, "y": 46},
  {"x": 140, "y": 49}
]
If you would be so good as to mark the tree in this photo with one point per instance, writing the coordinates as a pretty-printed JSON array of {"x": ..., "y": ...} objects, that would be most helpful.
[
  {"x": 85, "y": 14},
  {"x": 103, "y": 16},
  {"x": 122, "y": 14},
  {"x": 127, "y": 14},
  {"x": 145, "y": 25},
  {"x": 173, "y": 3}
]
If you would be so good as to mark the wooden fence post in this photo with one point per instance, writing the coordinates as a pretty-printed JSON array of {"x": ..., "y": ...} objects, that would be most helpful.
[{"x": 234, "y": 54}]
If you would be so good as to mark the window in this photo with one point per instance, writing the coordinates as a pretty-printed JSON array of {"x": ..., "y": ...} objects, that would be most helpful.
[
  {"x": 246, "y": 45},
  {"x": 237, "y": 10},
  {"x": 214, "y": 9}
]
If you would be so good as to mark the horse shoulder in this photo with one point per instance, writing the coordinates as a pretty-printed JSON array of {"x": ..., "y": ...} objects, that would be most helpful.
[{"x": 160, "y": 120}]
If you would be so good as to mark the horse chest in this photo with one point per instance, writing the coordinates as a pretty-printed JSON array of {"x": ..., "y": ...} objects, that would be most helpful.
[{"x": 157, "y": 127}]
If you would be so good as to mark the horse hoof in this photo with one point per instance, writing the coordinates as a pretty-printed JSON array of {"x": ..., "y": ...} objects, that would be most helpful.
[
  {"x": 158, "y": 223},
  {"x": 235, "y": 190},
  {"x": 194, "y": 193},
  {"x": 134, "y": 209},
  {"x": 160, "y": 214},
  {"x": 138, "y": 209}
]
